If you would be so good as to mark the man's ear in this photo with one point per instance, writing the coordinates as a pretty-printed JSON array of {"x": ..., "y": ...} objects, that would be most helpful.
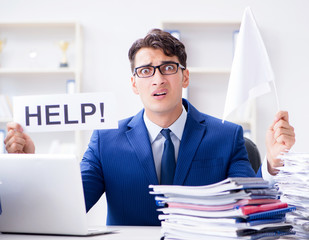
[
  {"x": 134, "y": 87},
  {"x": 185, "y": 79}
]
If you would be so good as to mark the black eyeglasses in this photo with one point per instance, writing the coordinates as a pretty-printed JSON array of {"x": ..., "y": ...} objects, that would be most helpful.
[{"x": 168, "y": 68}]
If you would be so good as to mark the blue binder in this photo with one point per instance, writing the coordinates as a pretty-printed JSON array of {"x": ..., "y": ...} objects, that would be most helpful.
[
  {"x": 280, "y": 219},
  {"x": 277, "y": 213}
]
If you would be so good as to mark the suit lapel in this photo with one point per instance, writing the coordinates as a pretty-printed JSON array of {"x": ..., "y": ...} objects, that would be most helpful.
[
  {"x": 139, "y": 140},
  {"x": 193, "y": 134}
]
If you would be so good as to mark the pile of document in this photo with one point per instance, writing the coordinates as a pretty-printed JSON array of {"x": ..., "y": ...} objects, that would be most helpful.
[
  {"x": 293, "y": 182},
  {"x": 245, "y": 208},
  {"x": 0, "y": 205}
]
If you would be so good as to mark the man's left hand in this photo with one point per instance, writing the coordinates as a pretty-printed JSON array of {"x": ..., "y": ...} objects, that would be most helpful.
[{"x": 280, "y": 137}]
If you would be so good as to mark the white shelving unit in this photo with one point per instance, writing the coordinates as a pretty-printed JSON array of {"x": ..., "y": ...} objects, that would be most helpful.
[
  {"x": 210, "y": 50},
  {"x": 29, "y": 65},
  {"x": 15, "y": 71}
]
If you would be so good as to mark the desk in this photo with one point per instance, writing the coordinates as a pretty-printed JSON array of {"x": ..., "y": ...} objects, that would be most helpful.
[{"x": 123, "y": 233}]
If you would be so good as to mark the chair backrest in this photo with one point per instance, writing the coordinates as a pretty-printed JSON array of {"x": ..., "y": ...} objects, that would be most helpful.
[{"x": 253, "y": 154}]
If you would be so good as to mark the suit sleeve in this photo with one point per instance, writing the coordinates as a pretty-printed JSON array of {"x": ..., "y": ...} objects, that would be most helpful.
[
  {"x": 239, "y": 164},
  {"x": 91, "y": 171}
]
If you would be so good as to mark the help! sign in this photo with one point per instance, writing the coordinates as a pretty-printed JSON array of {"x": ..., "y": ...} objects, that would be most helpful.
[{"x": 65, "y": 112}]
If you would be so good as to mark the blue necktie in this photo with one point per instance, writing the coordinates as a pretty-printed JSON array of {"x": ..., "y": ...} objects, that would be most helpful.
[{"x": 168, "y": 159}]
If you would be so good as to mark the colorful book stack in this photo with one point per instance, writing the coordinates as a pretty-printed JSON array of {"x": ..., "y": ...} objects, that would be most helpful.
[
  {"x": 293, "y": 182},
  {"x": 245, "y": 208}
]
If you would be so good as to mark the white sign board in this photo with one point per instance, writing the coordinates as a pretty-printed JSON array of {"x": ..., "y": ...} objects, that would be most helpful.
[{"x": 65, "y": 112}]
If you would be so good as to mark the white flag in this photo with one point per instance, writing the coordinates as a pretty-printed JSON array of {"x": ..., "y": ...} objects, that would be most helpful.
[{"x": 251, "y": 71}]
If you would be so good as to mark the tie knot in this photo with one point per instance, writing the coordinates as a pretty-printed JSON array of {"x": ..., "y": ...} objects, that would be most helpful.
[{"x": 166, "y": 133}]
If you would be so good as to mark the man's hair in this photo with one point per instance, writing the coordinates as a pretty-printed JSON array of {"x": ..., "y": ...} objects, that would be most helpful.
[{"x": 158, "y": 39}]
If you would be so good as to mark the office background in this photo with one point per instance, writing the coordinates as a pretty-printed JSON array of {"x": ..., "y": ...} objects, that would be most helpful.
[{"x": 110, "y": 27}]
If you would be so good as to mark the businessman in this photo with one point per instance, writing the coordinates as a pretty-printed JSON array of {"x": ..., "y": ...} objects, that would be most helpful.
[{"x": 192, "y": 149}]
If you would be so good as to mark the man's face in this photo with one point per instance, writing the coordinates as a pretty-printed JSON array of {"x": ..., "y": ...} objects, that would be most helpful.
[{"x": 160, "y": 94}]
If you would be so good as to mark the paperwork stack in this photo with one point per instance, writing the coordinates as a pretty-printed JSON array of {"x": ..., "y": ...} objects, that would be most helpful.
[
  {"x": 293, "y": 182},
  {"x": 247, "y": 208},
  {"x": 0, "y": 204}
]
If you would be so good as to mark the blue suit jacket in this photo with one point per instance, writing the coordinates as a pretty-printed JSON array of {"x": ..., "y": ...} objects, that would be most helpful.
[{"x": 120, "y": 163}]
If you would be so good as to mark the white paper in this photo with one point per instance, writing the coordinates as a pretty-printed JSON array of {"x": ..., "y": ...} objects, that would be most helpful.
[
  {"x": 65, "y": 112},
  {"x": 293, "y": 181}
]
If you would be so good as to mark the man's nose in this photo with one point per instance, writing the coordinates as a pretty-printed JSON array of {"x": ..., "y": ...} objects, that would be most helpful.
[{"x": 158, "y": 78}]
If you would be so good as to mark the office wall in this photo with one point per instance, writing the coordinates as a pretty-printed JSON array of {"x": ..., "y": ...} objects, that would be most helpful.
[{"x": 110, "y": 27}]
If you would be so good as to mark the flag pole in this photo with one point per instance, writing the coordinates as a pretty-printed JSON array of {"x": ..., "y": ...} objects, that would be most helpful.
[{"x": 276, "y": 94}]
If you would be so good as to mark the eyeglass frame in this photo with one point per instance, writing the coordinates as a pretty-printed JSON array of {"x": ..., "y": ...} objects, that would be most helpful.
[{"x": 179, "y": 65}]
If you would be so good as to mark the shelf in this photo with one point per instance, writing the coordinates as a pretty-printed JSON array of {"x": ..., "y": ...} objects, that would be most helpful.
[
  {"x": 190, "y": 23},
  {"x": 32, "y": 47},
  {"x": 202, "y": 70},
  {"x": 240, "y": 122},
  {"x": 38, "y": 24},
  {"x": 30, "y": 66},
  {"x": 5, "y": 119},
  {"x": 36, "y": 71}
]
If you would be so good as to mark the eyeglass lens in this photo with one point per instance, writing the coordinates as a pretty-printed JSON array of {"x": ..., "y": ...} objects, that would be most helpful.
[{"x": 165, "y": 69}]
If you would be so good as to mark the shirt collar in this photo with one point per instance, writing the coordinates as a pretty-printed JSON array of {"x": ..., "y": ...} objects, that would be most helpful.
[{"x": 177, "y": 127}]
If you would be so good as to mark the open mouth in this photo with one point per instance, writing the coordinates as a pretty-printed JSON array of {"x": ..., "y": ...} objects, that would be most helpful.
[{"x": 160, "y": 94}]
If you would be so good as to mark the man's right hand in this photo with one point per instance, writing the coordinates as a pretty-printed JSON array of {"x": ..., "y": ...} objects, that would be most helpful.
[{"x": 17, "y": 141}]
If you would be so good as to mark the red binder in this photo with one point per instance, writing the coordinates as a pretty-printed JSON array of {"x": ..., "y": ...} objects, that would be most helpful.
[{"x": 246, "y": 210}]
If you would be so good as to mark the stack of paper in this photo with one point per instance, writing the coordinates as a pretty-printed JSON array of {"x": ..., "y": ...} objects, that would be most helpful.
[
  {"x": 247, "y": 208},
  {"x": 0, "y": 205},
  {"x": 293, "y": 182}
]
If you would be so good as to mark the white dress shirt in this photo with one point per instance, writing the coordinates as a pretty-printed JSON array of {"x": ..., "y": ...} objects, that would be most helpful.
[
  {"x": 265, "y": 174},
  {"x": 157, "y": 139}
]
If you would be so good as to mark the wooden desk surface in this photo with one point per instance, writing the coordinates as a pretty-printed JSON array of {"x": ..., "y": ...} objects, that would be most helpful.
[{"x": 123, "y": 233}]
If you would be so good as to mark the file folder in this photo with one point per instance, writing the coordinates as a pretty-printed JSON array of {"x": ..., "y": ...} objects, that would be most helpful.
[{"x": 277, "y": 213}]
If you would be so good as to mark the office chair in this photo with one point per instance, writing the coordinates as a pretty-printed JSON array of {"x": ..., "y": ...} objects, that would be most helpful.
[{"x": 253, "y": 154}]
